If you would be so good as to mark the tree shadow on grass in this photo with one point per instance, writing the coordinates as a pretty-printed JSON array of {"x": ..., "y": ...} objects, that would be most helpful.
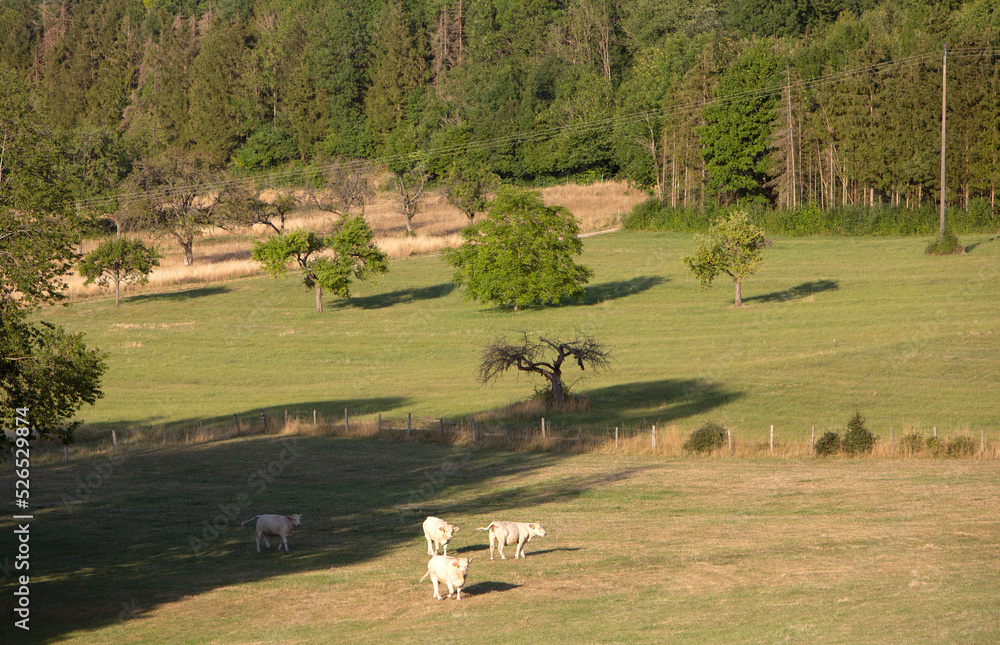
[
  {"x": 178, "y": 296},
  {"x": 384, "y": 300},
  {"x": 598, "y": 293},
  {"x": 970, "y": 248},
  {"x": 664, "y": 401},
  {"x": 117, "y": 537},
  {"x": 799, "y": 292}
]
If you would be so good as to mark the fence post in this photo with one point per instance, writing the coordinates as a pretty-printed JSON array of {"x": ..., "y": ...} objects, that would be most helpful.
[
  {"x": 346, "y": 422},
  {"x": 314, "y": 418},
  {"x": 409, "y": 419},
  {"x": 616, "y": 437},
  {"x": 239, "y": 430},
  {"x": 378, "y": 428},
  {"x": 579, "y": 436},
  {"x": 506, "y": 432},
  {"x": 473, "y": 419},
  {"x": 286, "y": 417},
  {"x": 812, "y": 445},
  {"x": 772, "y": 438},
  {"x": 935, "y": 432},
  {"x": 441, "y": 428},
  {"x": 65, "y": 453},
  {"x": 114, "y": 440},
  {"x": 654, "y": 437},
  {"x": 263, "y": 421},
  {"x": 543, "y": 428},
  {"x": 729, "y": 433}
]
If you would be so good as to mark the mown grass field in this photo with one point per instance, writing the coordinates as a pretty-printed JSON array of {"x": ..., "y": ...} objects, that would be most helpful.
[
  {"x": 146, "y": 548},
  {"x": 831, "y": 326}
]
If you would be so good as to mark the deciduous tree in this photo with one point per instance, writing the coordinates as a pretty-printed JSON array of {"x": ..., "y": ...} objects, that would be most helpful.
[
  {"x": 521, "y": 254},
  {"x": 732, "y": 246},
  {"x": 117, "y": 260}
]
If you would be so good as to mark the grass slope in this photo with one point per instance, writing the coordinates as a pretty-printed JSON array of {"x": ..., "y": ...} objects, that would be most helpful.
[
  {"x": 831, "y": 326},
  {"x": 147, "y": 549}
]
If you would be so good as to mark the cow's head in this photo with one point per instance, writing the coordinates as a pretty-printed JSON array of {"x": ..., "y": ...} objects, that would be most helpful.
[
  {"x": 462, "y": 565},
  {"x": 536, "y": 529},
  {"x": 446, "y": 531},
  {"x": 296, "y": 519}
]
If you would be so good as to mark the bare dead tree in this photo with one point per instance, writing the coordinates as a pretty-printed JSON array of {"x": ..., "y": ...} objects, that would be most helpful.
[
  {"x": 546, "y": 357},
  {"x": 243, "y": 206},
  {"x": 410, "y": 190},
  {"x": 342, "y": 189}
]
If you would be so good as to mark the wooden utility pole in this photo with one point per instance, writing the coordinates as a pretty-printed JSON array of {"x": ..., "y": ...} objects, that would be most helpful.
[{"x": 944, "y": 107}]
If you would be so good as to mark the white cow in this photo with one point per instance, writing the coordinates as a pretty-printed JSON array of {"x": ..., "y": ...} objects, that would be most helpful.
[
  {"x": 274, "y": 525},
  {"x": 507, "y": 533},
  {"x": 438, "y": 534},
  {"x": 449, "y": 570}
]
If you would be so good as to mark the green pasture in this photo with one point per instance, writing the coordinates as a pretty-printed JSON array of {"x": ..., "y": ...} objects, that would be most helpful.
[
  {"x": 146, "y": 547},
  {"x": 831, "y": 326}
]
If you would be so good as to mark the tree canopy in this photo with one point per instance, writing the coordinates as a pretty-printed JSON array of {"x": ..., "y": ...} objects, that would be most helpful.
[
  {"x": 521, "y": 254},
  {"x": 733, "y": 246}
]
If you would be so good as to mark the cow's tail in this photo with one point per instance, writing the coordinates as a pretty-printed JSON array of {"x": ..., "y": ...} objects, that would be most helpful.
[
  {"x": 425, "y": 576},
  {"x": 250, "y": 520},
  {"x": 486, "y": 528}
]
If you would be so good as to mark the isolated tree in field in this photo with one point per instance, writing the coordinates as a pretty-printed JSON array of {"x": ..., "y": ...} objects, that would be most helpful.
[
  {"x": 118, "y": 260},
  {"x": 243, "y": 207},
  {"x": 176, "y": 196},
  {"x": 45, "y": 373},
  {"x": 545, "y": 357},
  {"x": 732, "y": 246},
  {"x": 521, "y": 254},
  {"x": 469, "y": 187},
  {"x": 327, "y": 262}
]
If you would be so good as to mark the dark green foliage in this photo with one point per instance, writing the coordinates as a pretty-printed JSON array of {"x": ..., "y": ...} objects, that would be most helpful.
[
  {"x": 828, "y": 444},
  {"x": 960, "y": 446},
  {"x": 707, "y": 438},
  {"x": 858, "y": 439},
  {"x": 521, "y": 254},
  {"x": 267, "y": 147},
  {"x": 911, "y": 443}
]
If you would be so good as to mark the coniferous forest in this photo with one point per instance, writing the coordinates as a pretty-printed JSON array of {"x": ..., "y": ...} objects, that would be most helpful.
[{"x": 784, "y": 103}]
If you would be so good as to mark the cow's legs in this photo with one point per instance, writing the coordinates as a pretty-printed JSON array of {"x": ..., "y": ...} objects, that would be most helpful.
[{"x": 434, "y": 581}]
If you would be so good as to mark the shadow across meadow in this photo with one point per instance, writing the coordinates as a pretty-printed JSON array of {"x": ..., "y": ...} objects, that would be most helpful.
[
  {"x": 120, "y": 536},
  {"x": 798, "y": 292}
]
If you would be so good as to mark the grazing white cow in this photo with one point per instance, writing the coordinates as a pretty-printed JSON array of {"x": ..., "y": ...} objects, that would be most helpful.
[
  {"x": 449, "y": 570},
  {"x": 507, "y": 533},
  {"x": 438, "y": 534},
  {"x": 276, "y": 526}
]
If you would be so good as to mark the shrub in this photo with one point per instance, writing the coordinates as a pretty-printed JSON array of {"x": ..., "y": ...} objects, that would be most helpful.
[
  {"x": 947, "y": 244},
  {"x": 828, "y": 444},
  {"x": 911, "y": 444},
  {"x": 858, "y": 439},
  {"x": 960, "y": 446},
  {"x": 706, "y": 438}
]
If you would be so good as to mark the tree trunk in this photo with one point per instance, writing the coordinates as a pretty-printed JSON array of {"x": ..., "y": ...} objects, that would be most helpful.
[
  {"x": 319, "y": 299},
  {"x": 738, "y": 295},
  {"x": 558, "y": 396}
]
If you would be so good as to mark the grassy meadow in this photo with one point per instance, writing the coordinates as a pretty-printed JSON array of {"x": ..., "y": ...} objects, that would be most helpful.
[
  {"x": 830, "y": 326},
  {"x": 146, "y": 547}
]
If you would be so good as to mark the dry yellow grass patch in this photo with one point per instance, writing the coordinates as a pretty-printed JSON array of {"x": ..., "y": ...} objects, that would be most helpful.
[{"x": 223, "y": 255}]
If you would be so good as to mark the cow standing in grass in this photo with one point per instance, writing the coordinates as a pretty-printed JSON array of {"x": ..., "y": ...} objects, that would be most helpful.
[
  {"x": 449, "y": 570},
  {"x": 438, "y": 534},
  {"x": 276, "y": 526}
]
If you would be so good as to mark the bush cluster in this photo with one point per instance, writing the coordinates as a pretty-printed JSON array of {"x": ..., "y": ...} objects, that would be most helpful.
[
  {"x": 857, "y": 440},
  {"x": 707, "y": 438},
  {"x": 947, "y": 244}
]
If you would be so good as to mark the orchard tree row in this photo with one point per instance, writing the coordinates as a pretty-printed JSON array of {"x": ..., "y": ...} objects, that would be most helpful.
[{"x": 723, "y": 101}]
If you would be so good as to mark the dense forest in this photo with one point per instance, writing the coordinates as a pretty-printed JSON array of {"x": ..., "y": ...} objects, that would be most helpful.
[{"x": 783, "y": 102}]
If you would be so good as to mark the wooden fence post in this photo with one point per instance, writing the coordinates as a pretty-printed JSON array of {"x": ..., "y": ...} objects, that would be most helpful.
[
  {"x": 314, "y": 418},
  {"x": 654, "y": 437},
  {"x": 935, "y": 432},
  {"x": 772, "y": 438},
  {"x": 473, "y": 419},
  {"x": 409, "y": 420},
  {"x": 729, "y": 433},
  {"x": 65, "y": 453},
  {"x": 378, "y": 428},
  {"x": 441, "y": 428},
  {"x": 543, "y": 428},
  {"x": 506, "y": 432},
  {"x": 263, "y": 421},
  {"x": 347, "y": 420},
  {"x": 616, "y": 437},
  {"x": 286, "y": 417},
  {"x": 579, "y": 436},
  {"x": 114, "y": 440}
]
